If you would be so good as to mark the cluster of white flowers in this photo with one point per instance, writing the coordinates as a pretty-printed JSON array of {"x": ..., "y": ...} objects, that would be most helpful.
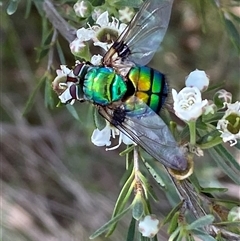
[
  {"x": 189, "y": 106},
  {"x": 98, "y": 33}
]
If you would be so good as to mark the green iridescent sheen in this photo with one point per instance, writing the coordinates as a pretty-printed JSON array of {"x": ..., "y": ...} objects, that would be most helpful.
[
  {"x": 149, "y": 86},
  {"x": 103, "y": 86},
  {"x": 154, "y": 101},
  {"x": 156, "y": 84}
]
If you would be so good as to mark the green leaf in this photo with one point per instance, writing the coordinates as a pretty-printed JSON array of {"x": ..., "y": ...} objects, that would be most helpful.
[
  {"x": 12, "y": 7},
  {"x": 109, "y": 224},
  {"x": 30, "y": 101},
  {"x": 226, "y": 161},
  {"x": 60, "y": 53},
  {"x": 73, "y": 112},
  {"x": 213, "y": 189},
  {"x": 147, "y": 187},
  {"x": 99, "y": 121},
  {"x": 122, "y": 200},
  {"x": 154, "y": 171},
  {"x": 172, "y": 213},
  {"x": 138, "y": 208},
  {"x": 212, "y": 118},
  {"x": 203, "y": 236},
  {"x": 175, "y": 234},
  {"x": 46, "y": 40},
  {"x": 194, "y": 181},
  {"x": 131, "y": 230},
  {"x": 174, "y": 223},
  {"x": 229, "y": 223},
  {"x": 233, "y": 32},
  {"x": 28, "y": 8},
  {"x": 210, "y": 140},
  {"x": 48, "y": 96},
  {"x": 201, "y": 222},
  {"x": 38, "y": 4}
]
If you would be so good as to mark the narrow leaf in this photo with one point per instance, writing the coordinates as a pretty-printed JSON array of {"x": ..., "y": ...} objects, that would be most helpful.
[
  {"x": 203, "y": 236},
  {"x": 154, "y": 171},
  {"x": 122, "y": 200},
  {"x": 233, "y": 33},
  {"x": 30, "y": 101},
  {"x": 131, "y": 230},
  {"x": 213, "y": 189},
  {"x": 226, "y": 161},
  {"x": 73, "y": 112},
  {"x": 60, "y": 53},
  {"x": 172, "y": 213},
  {"x": 107, "y": 225},
  {"x": 201, "y": 222}
]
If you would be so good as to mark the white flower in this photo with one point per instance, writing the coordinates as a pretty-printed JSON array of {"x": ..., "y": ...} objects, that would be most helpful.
[
  {"x": 102, "y": 137},
  {"x": 149, "y": 226},
  {"x": 197, "y": 78},
  {"x": 84, "y": 34},
  {"x": 82, "y": 8},
  {"x": 229, "y": 125},
  {"x": 77, "y": 46},
  {"x": 188, "y": 103},
  {"x": 96, "y": 59},
  {"x": 222, "y": 96},
  {"x": 59, "y": 83},
  {"x": 126, "y": 14},
  {"x": 103, "y": 34}
]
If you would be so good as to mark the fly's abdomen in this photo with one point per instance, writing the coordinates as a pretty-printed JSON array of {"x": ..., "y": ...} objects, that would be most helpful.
[
  {"x": 150, "y": 86},
  {"x": 103, "y": 86}
]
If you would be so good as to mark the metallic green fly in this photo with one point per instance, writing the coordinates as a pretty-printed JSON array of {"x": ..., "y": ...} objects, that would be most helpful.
[{"x": 127, "y": 93}]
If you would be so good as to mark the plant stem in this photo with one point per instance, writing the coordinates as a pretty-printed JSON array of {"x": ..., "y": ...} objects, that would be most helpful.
[{"x": 192, "y": 130}]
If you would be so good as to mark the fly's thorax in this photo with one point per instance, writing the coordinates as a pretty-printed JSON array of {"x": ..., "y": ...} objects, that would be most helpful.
[
  {"x": 103, "y": 86},
  {"x": 150, "y": 86}
]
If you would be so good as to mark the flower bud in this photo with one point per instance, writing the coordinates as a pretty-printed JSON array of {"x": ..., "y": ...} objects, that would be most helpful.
[
  {"x": 82, "y": 9},
  {"x": 125, "y": 14},
  {"x": 222, "y": 96},
  {"x": 79, "y": 49},
  {"x": 149, "y": 226},
  {"x": 197, "y": 78}
]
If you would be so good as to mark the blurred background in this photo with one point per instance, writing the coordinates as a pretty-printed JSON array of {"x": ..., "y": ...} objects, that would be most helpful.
[{"x": 55, "y": 184}]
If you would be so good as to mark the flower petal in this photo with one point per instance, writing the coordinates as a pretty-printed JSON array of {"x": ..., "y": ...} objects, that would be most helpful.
[
  {"x": 101, "y": 137},
  {"x": 103, "y": 19}
]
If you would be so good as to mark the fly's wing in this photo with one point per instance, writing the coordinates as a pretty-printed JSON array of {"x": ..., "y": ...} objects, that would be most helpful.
[
  {"x": 144, "y": 33},
  {"x": 136, "y": 120}
]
